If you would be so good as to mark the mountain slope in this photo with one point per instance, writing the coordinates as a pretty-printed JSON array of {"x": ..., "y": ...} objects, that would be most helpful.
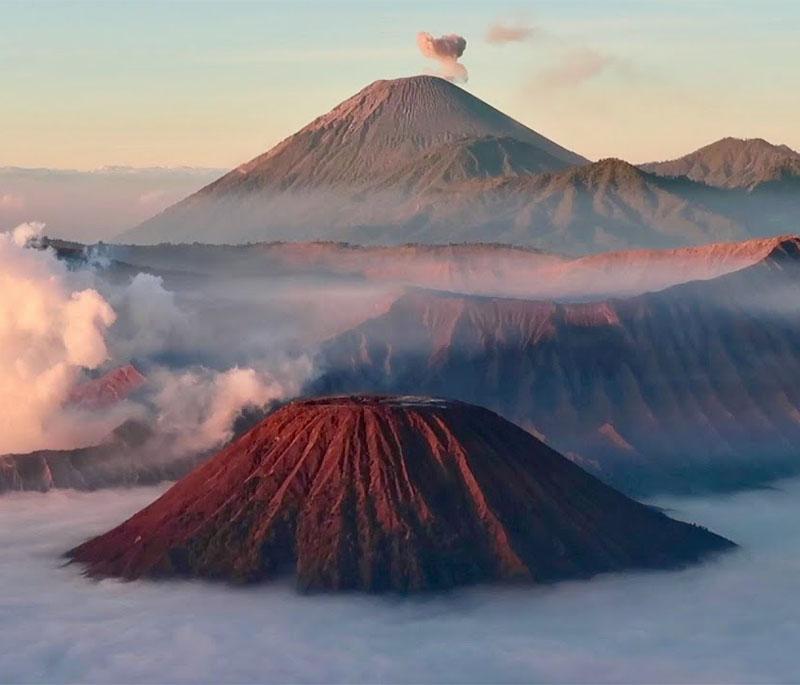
[
  {"x": 467, "y": 159},
  {"x": 606, "y": 205},
  {"x": 401, "y": 494},
  {"x": 367, "y": 137},
  {"x": 689, "y": 388},
  {"x": 421, "y": 160},
  {"x": 110, "y": 388},
  {"x": 382, "y": 126},
  {"x": 733, "y": 163}
]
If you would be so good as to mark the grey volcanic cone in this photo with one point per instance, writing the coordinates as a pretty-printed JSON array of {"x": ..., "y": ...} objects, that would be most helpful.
[
  {"x": 321, "y": 181},
  {"x": 402, "y": 493}
]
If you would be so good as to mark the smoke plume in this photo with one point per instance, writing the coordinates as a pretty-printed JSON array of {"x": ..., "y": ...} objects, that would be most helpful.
[
  {"x": 57, "y": 324},
  {"x": 50, "y": 329},
  {"x": 446, "y": 50},
  {"x": 198, "y": 407},
  {"x": 149, "y": 319}
]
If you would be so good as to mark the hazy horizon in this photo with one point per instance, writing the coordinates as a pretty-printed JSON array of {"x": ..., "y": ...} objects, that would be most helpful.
[{"x": 149, "y": 84}]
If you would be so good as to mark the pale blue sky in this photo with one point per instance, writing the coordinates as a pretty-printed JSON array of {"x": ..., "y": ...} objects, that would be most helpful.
[{"x": 214, "y": 83}]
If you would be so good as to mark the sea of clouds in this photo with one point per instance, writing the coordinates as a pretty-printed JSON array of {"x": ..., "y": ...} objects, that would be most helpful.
[{"x": 733, "y": 619}]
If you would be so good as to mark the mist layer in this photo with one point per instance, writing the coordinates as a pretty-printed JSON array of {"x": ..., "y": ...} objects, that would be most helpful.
[{"x": 713, "y": 623}]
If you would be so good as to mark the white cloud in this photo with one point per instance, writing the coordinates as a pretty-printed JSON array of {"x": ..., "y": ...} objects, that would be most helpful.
[
  {"x": 57, "y": 323},
  {"x": 731, "y": 620},
  {"x": 500, "y": 34},
  {"x": 50, "y": 329},
  {"x": 575, "y": 68},
  {"x": 198, "y": 407}
]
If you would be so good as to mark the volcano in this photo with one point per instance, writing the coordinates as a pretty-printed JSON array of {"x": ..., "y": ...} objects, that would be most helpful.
[
  {"x": 358, "y": 167},
  {"x": 391, "y": 493},
  {"x": 420, "y": 160}
]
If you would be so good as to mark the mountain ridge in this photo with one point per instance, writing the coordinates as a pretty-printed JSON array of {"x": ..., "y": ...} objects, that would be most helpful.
[
  {"x": 422, "y": 160},
  {"x": 685, "y": 389},
  {"x": 732, "y": 163}
]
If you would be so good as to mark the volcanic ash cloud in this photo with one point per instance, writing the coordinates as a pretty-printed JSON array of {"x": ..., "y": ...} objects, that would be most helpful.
[{"x": 446, "y": 50}]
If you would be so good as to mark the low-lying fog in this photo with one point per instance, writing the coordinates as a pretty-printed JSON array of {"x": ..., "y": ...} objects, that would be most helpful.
[{"x": 734, "y": 619}]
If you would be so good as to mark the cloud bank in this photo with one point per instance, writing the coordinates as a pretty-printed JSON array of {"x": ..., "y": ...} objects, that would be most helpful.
[
  {"x": 500, "y": 34},
  {"x": 731, "y": 620},
  {"x": 51, "y": 328},
  {"x": 575, "y": 68},
  {"x": 446, "y": 50},
  {"x": 58, "y": 324},
  {"x": 94, "y": 205}
]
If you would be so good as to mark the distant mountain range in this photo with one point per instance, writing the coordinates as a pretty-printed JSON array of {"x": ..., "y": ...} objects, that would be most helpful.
[
  {"x": 421, "y": 160},
  {"x": 476, "y": 269},
  {"x": 655, "y": 369},
  {"x": 96, "y": 204},
  {"x": 733, "y": 163},
  {"x": 692, "y": 387}
]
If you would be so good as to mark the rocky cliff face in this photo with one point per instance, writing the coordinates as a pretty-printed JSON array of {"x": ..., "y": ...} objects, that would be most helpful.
[
  {"x": 689, "y": 388},
  {"x": 400, "y": 493},
  {"x": 108, "y": 389}
]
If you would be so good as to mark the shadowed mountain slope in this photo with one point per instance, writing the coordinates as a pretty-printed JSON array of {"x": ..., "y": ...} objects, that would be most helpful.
[
  {"x": 690, "y": 388},
  {"x": 122, "y": 459},
  {"x": 608, "y": 205}
]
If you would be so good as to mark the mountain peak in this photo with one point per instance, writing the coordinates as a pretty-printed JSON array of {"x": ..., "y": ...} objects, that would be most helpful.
[
  {"x": 612, "y": 165},
  {"x": 609, "y": 171},
  {"x": 402, "y": 94},
  {"x": 319, "y": 179},
  {"x": 390, "y": 122},
  {"x": 731, "y": 163}
]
